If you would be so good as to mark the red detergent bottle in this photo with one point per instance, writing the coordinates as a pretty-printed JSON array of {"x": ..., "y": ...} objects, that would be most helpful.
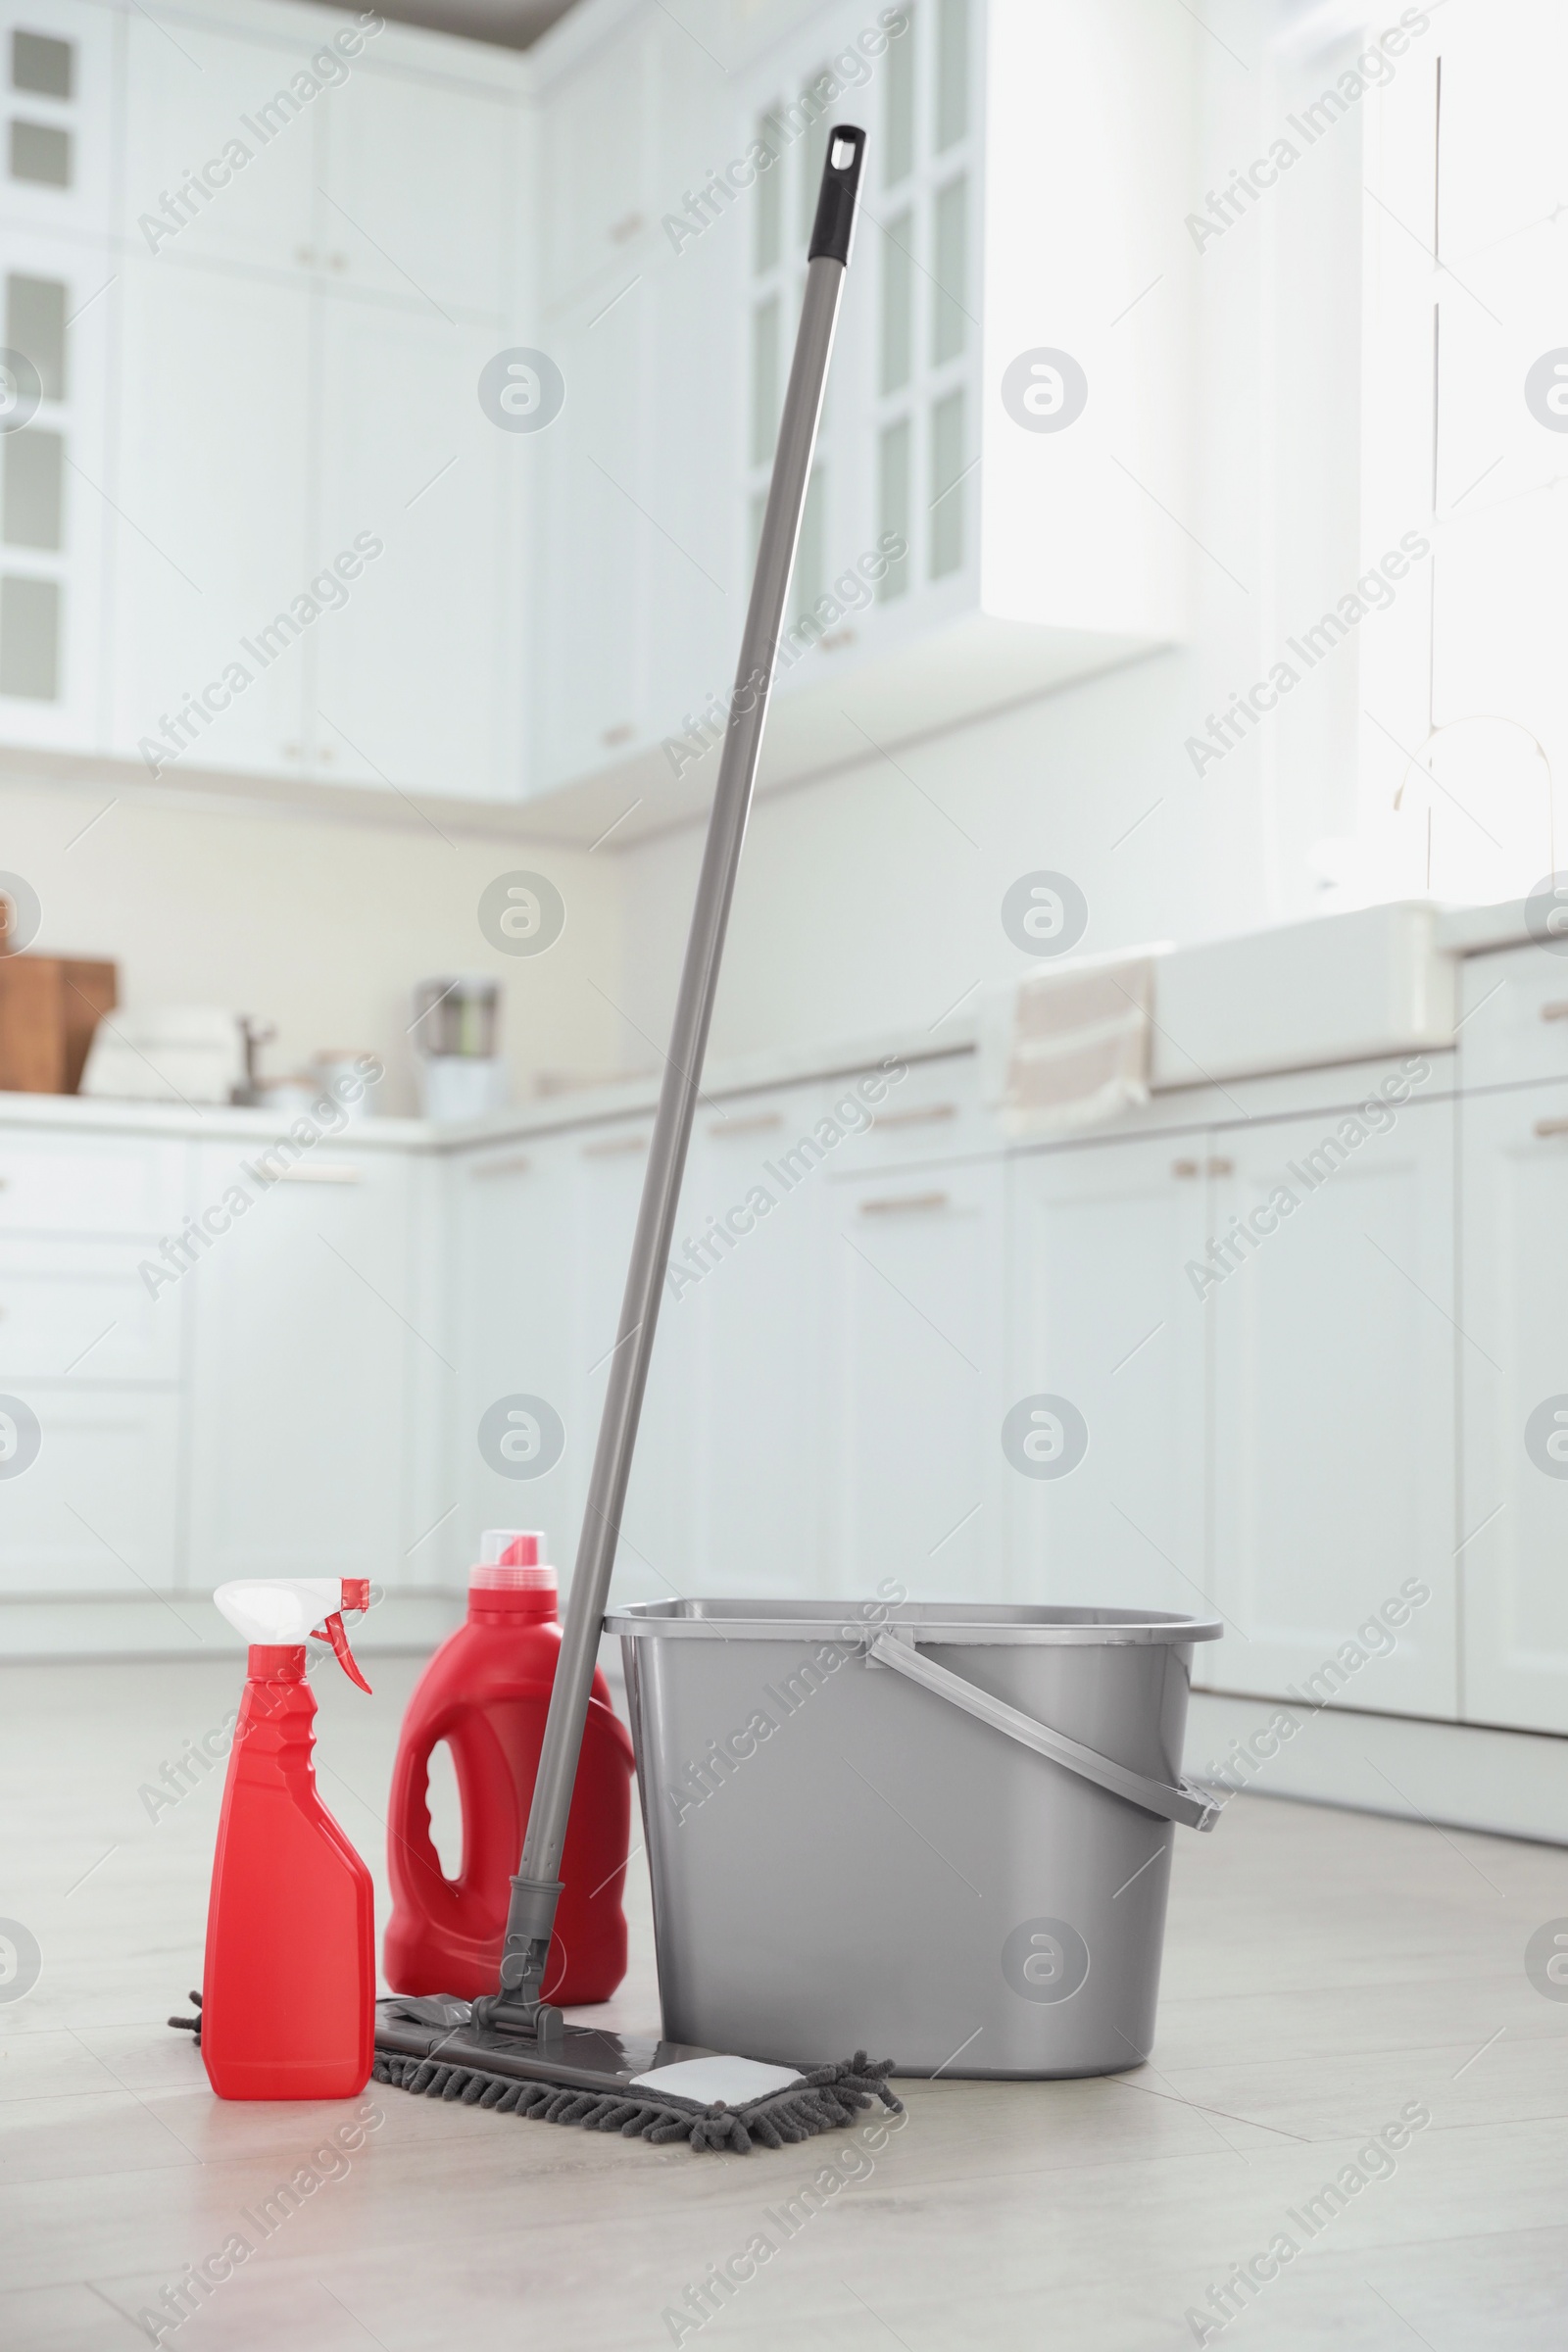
[
  {"x": 486, "y": 1692},
  {"x": 288, "y": 1989}
]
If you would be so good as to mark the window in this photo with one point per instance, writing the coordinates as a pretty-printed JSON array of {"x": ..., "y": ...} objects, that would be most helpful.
[{"x": 1463, "y": 691}]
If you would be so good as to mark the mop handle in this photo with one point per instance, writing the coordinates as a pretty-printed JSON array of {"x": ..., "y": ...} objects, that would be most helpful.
[{"x": 536, "y": 1889}]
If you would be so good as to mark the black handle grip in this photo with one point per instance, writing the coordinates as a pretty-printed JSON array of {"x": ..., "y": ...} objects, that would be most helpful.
[{"x": 835, "y": 207}]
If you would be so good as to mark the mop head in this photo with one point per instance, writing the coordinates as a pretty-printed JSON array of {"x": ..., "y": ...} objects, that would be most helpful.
[{"x": 821, "y": 2101}]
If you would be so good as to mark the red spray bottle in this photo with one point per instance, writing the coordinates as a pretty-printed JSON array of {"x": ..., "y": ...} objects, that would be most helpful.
[
  {"x": 486, "y": 1692},
  {"x": 288, "y": 1991}
]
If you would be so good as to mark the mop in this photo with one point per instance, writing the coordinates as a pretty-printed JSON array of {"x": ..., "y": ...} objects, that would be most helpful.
[{"x": 511, "y": 2050}]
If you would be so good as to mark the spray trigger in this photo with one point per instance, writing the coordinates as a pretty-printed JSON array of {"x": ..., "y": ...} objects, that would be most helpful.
[{"x": 334, "y": 1633}]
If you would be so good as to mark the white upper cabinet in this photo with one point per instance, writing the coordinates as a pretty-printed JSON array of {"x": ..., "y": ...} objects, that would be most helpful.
[
  {"x": 419, "y": 194},
  {"x": 591, "y": 472},
  {"x": 414, "y": 674},
  {"x": 1001, "y": 451},
  {"x": 56, "y": 500},
  {"x": 597, "y": 134},
  {"x": 211, "y": 553},
  {"x": 219, "y": 148},
  {"x": 57, "y": 75}
]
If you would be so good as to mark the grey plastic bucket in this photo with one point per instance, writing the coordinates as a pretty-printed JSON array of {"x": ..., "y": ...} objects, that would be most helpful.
[{"x": 940, "y": 1831}]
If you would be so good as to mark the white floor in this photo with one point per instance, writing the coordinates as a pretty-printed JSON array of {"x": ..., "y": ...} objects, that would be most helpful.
[{"x": 1323, "y": 1970}]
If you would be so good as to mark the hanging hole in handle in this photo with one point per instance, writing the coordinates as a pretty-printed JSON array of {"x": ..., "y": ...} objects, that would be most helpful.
[
  {"x": 446, "y": 1810},
  {"x": 842, "y": 155}
]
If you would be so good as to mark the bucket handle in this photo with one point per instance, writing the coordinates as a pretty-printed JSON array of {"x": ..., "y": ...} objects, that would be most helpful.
[{"x": 1183, "y": 1804}]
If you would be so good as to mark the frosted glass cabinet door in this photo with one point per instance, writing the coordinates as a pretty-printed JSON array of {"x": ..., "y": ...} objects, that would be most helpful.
[
  {"x": 300, "y": 1371},
  {"x": 1513, "y": 1374},
  {"x": 1334, "y": 1414},
  {"x": 914, "y": 1376},
  {"x": 414, "y": 677},
  {"x": 210, "y": 546},
  {"x": 1104, "y": 1318}
]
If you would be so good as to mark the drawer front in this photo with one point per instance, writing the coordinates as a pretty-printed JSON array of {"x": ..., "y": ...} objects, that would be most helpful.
[
  {"x": 95, "y": 1508},
  {"x": 89, "y": 1184},
  {"x": 81, "y": 1310},
  {"x": 913, "y": 1113},
  {"x": 1514, "y": 1018}
]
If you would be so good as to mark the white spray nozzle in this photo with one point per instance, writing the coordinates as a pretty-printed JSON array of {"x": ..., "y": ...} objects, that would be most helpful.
[{"x": 279, "y": 1613}]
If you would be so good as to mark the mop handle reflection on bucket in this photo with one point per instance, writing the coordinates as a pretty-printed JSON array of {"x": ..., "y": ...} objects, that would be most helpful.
[{"x": 536, "y": 1890}]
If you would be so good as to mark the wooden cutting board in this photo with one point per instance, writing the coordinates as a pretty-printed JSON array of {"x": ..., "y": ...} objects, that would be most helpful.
[{"x": 49, "y": 1007}]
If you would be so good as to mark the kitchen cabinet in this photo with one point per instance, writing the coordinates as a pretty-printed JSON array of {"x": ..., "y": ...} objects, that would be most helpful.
[
  {"x": 1031, "y": 556},
  {"x": 413, "y": 678},
  {"x": 597, "y": 145},
  {"x": 186, "y": 100},
  {"x": 211, "y": 547},
  {"x": 1103, "y": 1314},
  {"x": 99, "y": 1509},
  {"x": 607, "y": 1168},
  {"x": 594, "y": 480},
  {"x": 56, "y": 512},
  {"x": 1512, "y": 1349},
  {"x": 912, "y": 1266},
  {"x": 57, "y": 154},
  {"x": 301, "y": 1369},
  {"x": 419, "y": 196},
  {"x": 513, "y": 1307},
  {"x": 1333, "y": 1369},
  {"x": 748, "y": 1323}
]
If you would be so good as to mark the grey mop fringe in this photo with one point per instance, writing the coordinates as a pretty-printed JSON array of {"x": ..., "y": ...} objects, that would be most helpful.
[{"x": 822, "y": 2101}]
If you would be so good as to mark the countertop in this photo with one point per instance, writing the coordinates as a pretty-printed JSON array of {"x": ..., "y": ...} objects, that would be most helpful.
[{"x": 1213, "y": 969}]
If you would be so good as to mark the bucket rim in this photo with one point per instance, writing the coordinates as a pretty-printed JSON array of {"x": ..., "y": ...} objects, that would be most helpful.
[{"x": 829, "y": 1619}]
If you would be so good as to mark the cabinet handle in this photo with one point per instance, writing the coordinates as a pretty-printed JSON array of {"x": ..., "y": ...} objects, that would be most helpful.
[
  {"x": 620, "y": 733},
  {"x": 1551, "y": 1127},
  {"x": 898, "y": 1203},
  {"x": 924, "y": 1114},
  {"x": 304, "y": 254},
  {"x": 329, "y": 1171},
  {"x": 1222, "y": 1168},
  {"x": 1557, "y": 1011},
  {"x": 516, "y": 1163},
  {"x": 1183, "y": 1167},
  {"x": 625, "y": 228},
  {"x": 758, "y": 1124},
  {"x": 614, "y": 1144}
]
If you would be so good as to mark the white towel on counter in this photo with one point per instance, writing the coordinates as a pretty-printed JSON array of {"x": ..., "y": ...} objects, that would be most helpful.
[{"x": 1067, "y": 1046}]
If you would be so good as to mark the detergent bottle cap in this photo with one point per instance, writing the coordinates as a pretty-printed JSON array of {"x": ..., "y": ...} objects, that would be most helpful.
[
  {"x": 280, "y": 1612},
  {"x": 509, "y": 1562}
]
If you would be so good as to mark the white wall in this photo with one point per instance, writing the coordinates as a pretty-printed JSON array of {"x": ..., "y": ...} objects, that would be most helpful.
[{"x": 318, "y": 922}]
